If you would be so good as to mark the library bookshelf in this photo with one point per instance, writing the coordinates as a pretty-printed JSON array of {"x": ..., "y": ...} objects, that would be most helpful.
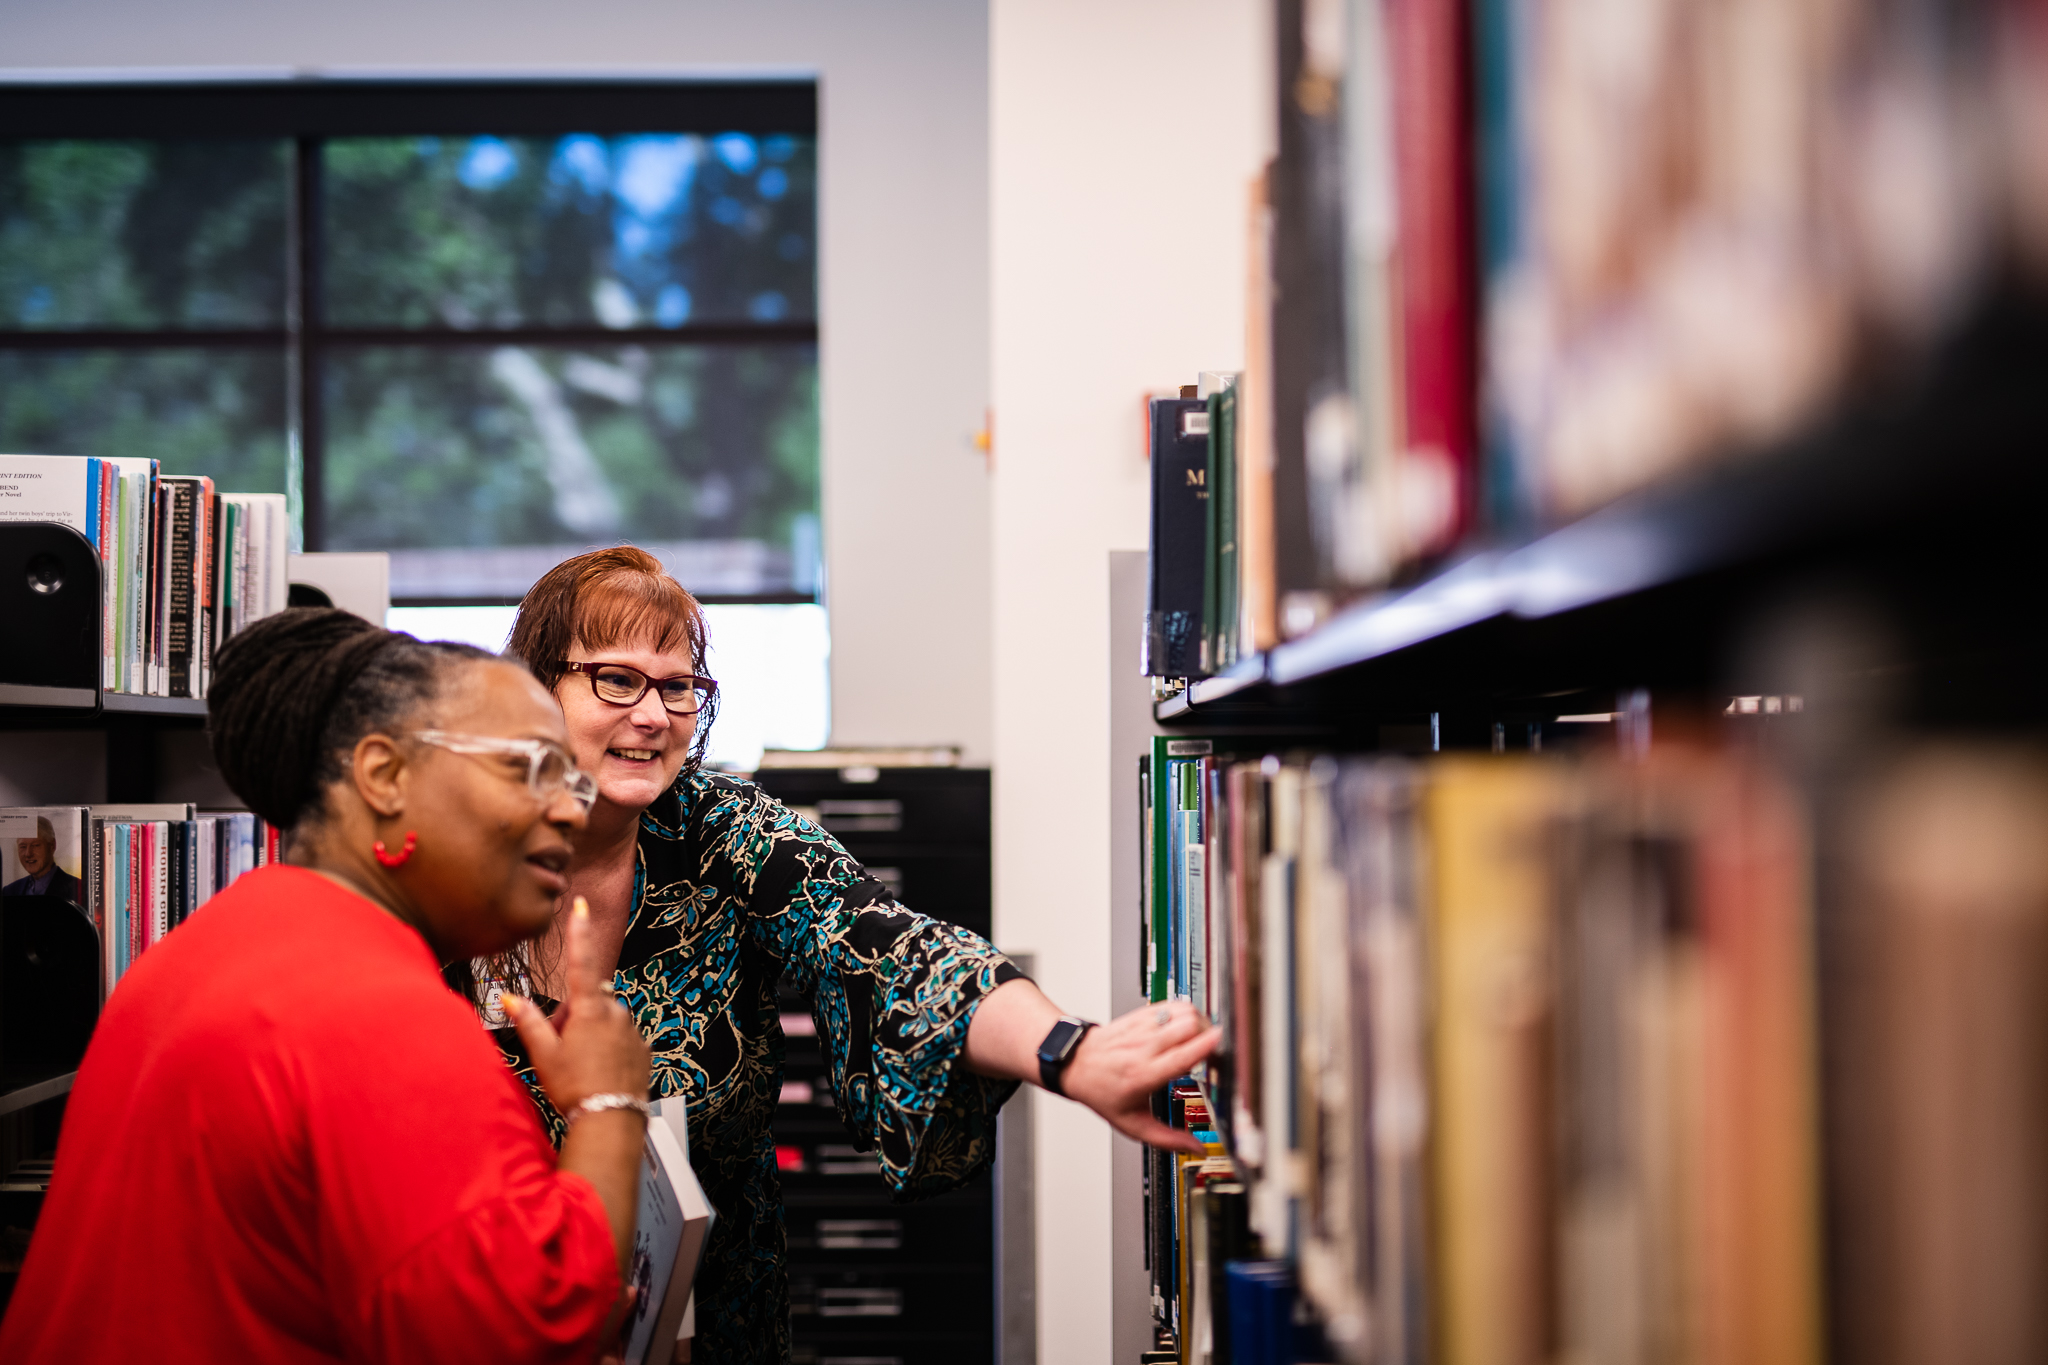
[
  {"x": 131, "y": 727},
  {"x": 1792, "y": 697},
  {"x": 53, "y": 735},
  {"x": 1623, "y": 911},
  {"x": 1919, "y": 501}
]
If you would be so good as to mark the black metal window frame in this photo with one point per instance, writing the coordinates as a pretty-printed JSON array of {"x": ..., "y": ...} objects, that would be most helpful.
[{"x": 307, "y": 113}]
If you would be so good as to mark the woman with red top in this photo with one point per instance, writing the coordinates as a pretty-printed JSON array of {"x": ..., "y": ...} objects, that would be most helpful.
[{"x": 289, "y": 1140}]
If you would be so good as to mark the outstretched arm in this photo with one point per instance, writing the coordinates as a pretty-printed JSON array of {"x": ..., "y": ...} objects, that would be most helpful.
[{"x": 1114, "y": 1070}]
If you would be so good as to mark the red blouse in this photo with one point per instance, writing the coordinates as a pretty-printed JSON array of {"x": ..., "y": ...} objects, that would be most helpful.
[{"x": 290, "y": 1141}]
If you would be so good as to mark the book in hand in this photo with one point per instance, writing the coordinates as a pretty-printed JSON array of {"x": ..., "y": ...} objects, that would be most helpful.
[{"x": 668, "y": 1240}]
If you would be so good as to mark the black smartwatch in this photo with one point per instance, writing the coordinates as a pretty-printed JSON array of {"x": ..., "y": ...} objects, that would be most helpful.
[{"x": 1058, "y": 1049}]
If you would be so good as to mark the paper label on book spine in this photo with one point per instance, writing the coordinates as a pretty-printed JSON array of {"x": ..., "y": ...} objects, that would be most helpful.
[{"x": 45, "y": 488}]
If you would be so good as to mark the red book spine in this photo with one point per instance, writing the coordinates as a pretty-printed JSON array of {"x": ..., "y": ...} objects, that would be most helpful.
[
  {"x": 1428, "y": 42},
  {"x": 138, "y": 907}
]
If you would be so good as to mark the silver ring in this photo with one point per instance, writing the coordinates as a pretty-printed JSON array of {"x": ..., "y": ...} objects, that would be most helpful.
[{"x": 1162, "y": 1016}]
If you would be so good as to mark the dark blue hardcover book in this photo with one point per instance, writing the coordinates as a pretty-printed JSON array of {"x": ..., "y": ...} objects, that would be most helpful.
[
  {"x": 1260, "y": 1310},
  {"x": 1180, "y": 532}
]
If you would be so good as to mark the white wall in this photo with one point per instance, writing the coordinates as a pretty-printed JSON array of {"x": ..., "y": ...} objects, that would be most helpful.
[
  {"x": 903, "y": 261},
  {"x": 1122, "y": 139}
]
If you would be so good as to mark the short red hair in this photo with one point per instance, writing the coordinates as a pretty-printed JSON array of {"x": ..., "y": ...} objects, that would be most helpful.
[{"x": 604, "y": 598}]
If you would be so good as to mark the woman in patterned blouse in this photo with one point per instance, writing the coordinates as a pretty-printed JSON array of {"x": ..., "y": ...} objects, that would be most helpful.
[{"x": 705, "y": 890}]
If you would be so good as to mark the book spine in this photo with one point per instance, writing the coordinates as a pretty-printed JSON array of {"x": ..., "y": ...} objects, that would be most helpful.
[
  {"x": 192, "y": 870},
  {"x": 276, "y": 563},
  {"x": 1210, "y": 653},
  {"x": 1258, "y": 608},
  {"x": 216, "y": 582},
  {"x": 91, "y": 528},
  {"x": 1194, "y": 895},
  {"x": 206, "y": 516},
  {"x": 110, "y": 608},
  {"x": 1223, "y": 618},
  {"x": 95, "y": 900},
  {"x": 243, "y": 605},
  {"x": 1161, "y": 850},
  {"x": 166, "y": 880},
  {"x": 1429, "y": 43},
  {"x": 1309, "y": 370},
  {"x": 178, "y": 636},
  {"x": 1243, "y": 798},
  {"x": 138, "y": 586},
  {"x": 1490, "y": 1167},
  {"x": 123, "y": 892},
  {"x": 104, "y": 835},
  {"x": 230, "y": 530},
  {"x": 1176, "y": 887},
  {"x": 1498, "y": 47},
  {"x": 1180, "y": 497},
  {"x": 1146, "y": 948},
  {"x": 160, "y": 594},
  {"x": 118, "y": 623}
]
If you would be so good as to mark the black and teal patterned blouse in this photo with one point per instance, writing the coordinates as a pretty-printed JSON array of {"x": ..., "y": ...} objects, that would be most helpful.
[{"x": 733, "y": 890}]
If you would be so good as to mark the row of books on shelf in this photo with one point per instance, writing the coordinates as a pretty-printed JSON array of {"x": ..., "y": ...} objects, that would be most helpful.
[
  {"x": 1645, "y": 1055},
  {"x": 182, "y": 565},
  {"x": 135, "y": 871},
  {"x": 1517, "y": 258}
]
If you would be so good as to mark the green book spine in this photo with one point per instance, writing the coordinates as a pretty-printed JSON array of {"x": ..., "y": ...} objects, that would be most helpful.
[
  {"x": 1162, "y": 849},
  {"x": 1223, "y": 613}
]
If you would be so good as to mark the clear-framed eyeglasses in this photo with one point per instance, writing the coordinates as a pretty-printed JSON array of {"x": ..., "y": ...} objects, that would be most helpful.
[
  {"x": 549, "y": 769},
  {"x": 684, "y": 694}
]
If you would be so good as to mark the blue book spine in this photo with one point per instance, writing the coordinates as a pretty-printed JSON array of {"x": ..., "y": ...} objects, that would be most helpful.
[
  {"x": 121, "y": 906},
  {"x": 1197, "y": 899},
  {"x": 92, "y": 501}
]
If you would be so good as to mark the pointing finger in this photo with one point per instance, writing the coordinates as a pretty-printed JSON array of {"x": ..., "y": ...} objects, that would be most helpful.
[{"x": 584, "y": 981}]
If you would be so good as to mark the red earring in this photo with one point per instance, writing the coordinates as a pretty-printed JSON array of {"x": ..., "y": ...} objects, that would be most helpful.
[{"x": 390, "y": 859}]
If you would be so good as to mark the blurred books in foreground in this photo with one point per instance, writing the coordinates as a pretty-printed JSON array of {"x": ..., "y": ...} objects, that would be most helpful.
[
  {"x": 1636, "y": 1056},
  {"x": 1518, "y": 258}
]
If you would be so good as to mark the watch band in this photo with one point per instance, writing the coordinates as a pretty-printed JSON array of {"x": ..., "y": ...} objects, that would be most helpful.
[{"x": 1058, "y": 1049}]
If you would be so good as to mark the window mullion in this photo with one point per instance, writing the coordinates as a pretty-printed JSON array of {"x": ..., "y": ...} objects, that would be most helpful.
[{"x": 305, "y": 474}]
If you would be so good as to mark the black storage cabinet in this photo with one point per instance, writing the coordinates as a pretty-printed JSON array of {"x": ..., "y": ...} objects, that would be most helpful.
[{"x": 871, "y": 1280}]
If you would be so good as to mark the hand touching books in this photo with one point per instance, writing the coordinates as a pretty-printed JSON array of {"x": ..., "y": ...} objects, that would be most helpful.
[
  {"x": 1114, "y": 1069},
  {"x": 1119, "y": 1066}
]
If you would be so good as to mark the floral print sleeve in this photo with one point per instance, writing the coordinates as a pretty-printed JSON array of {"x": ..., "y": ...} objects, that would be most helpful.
[
  {"x": 892, "y": 995},
  {"x": 734, "y": 889}
]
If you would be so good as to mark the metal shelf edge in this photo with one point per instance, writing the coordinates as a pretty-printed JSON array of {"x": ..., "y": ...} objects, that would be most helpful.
[
  {"x": 24, "y": 1096},
  {"x": 128, "y": 704}
]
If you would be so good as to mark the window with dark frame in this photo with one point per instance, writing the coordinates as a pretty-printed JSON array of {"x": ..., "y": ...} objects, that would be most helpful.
[{"x": 480, "y": 325}]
